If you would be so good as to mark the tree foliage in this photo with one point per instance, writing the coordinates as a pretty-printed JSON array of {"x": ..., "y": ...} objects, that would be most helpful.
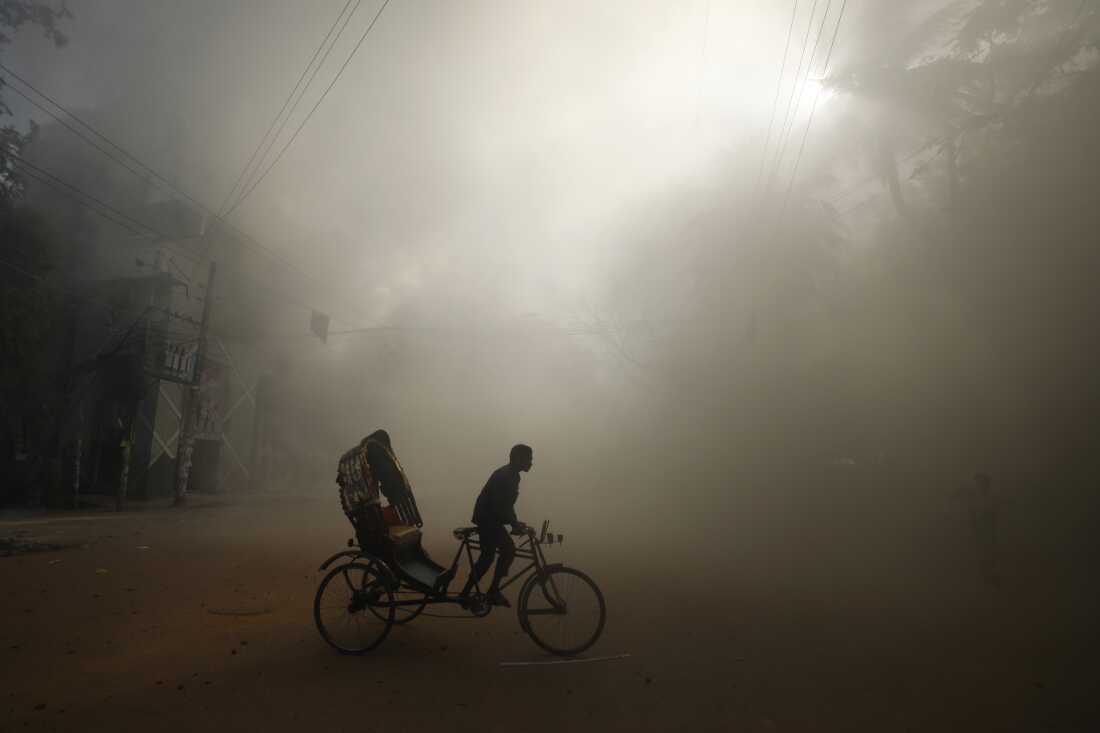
[
  {"x": 979, "y": 94},
  {"x": 28, "y": 314},
  {"x": 957, "y": 300},
  {"x": 14, "y": 15},
  {"x": 995, "y": 223}
]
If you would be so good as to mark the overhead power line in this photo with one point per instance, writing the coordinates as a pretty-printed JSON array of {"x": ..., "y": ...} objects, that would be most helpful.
[
  {"x": 805, "y": 82},
  {"x": 780, "y": 150},
  {"x": 790, "y": 131},
  {"x": 775, "y": 102},
  {"x": 97, "y": 206},
  {"x": 317, "y": 104},
  {"x": 260, "y": 145},
  {"x": 71, "y": 115},
  {"x": 81, "y": 122},
  {"x": 78, "y": 133},
  {"x": 242, "y": 237},
  {"x": 813, "y": 108},
  {"x": 127, "y": 220},
  {"x": 100, "y": 300},
  {"x": 90, "y": 206},
  {"x": 92, "y": 203}
]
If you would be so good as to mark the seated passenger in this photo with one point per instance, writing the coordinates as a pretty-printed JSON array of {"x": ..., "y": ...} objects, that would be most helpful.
[
  {"x": 359, "y": 499},
  {"x": 386, "y": 469},
  {"x": 369, "y": 468}
]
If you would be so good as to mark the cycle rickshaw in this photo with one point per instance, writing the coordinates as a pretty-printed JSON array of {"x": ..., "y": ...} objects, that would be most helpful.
[{"x": 366, "y": 593}]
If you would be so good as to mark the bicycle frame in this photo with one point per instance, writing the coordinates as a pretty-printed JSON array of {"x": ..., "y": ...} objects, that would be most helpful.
[
  {"x": 528, "y": 549},
  {"x": 381, "y": 584}
]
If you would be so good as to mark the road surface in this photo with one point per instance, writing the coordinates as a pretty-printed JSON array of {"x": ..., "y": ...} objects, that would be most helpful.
[{"x": 200, "y": 619}]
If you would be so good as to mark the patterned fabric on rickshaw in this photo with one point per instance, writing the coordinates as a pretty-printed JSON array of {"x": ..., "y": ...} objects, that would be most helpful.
[
  {"x": 399, "y": 523},
  {"x": 358, "y": 487},
  {"x": 360, "y": 494},
  {"x": 359, "y": 497}
]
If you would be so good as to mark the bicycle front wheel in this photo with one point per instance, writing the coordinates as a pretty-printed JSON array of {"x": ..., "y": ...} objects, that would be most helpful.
[
  {"x": 562, "y": 610},
  {"x": 354, "y": 608}
]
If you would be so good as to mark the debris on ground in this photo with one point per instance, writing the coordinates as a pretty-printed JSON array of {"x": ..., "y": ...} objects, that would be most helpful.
[
  {"x": 21, "y": 543},
  {"x": 246, "y": 611},
  {"x": 20, "y": 546}
]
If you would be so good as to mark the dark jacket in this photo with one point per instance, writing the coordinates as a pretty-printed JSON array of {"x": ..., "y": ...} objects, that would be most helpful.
[{"x": 496, "y": 504}]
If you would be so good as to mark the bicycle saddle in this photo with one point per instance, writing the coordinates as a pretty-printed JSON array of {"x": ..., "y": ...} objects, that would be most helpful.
[{"x": 462, "y": 533}]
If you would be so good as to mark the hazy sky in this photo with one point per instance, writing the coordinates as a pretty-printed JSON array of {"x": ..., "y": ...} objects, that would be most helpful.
[{"x": 482, "y": 146}]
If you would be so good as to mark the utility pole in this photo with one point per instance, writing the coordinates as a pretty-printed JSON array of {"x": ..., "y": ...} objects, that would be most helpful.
[{"x": 186, "y": 444}]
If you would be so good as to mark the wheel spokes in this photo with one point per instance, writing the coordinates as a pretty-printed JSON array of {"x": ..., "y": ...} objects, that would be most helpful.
[
  {"x": 342, "y": 604},
  {"x": 564, "y": 611}
]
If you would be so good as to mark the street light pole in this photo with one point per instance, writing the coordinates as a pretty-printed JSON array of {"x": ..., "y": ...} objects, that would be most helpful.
[{"x": 186, "y": 444}]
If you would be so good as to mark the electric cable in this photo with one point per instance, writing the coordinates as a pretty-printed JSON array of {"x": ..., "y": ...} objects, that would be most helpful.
[
  {"x": 283, "y": 109},
  {"x": 62, "y": 187},
  {"x": 813, "y": 108},
  {"x": 779, "y": 152},
  {"x": 242, "y": 237},
  {"x": 775, "y": 102},
  {"x": 99, "y": 202},
  {"x": 93, "y": 204},
  {"x": 311, "y": 111},
  {"x": 91, "y": 207},
  {"x": 69, "y": 191},
  {"x": 789, "y": 131},
  {"x": 84, "y": 124},
  {"x": 102, "y": 301},
  {"x": 76, "y": 132},
  {"x": 805, "y": 82}
]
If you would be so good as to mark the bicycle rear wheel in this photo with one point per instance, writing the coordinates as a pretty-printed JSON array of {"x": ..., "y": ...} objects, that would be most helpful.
[
  {"x": 353, "y": 608},
  {"x": 562, "y": 610}
]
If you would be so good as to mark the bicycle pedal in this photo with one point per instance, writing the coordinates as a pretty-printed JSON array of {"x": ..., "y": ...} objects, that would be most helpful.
[{"x": 476, "y": 604}]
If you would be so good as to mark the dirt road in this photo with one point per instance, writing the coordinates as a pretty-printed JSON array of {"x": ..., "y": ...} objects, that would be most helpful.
[{"x": 201, "y": 620}]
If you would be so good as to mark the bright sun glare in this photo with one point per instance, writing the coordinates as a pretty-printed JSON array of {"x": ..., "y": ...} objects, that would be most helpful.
[{"x": 817, "y": 86}]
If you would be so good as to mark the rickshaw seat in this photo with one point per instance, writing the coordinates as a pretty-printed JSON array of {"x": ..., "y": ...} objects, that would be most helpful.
[
  {"x": 409, "y": 557},
  {"x": 412, "y": 561},
  {"x": 401, "y": 533}
]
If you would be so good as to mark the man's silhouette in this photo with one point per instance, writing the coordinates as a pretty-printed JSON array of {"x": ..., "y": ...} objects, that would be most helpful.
[{"x": 496, "y": 507}]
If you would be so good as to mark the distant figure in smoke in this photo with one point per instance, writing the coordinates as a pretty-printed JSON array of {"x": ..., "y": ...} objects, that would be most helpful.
[
  {"x": 984, "y": 506},
  {"x": 496, "y": 507}
]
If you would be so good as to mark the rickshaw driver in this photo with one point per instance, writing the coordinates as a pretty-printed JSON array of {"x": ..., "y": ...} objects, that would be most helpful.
[{"x": 496, "y": 507}]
